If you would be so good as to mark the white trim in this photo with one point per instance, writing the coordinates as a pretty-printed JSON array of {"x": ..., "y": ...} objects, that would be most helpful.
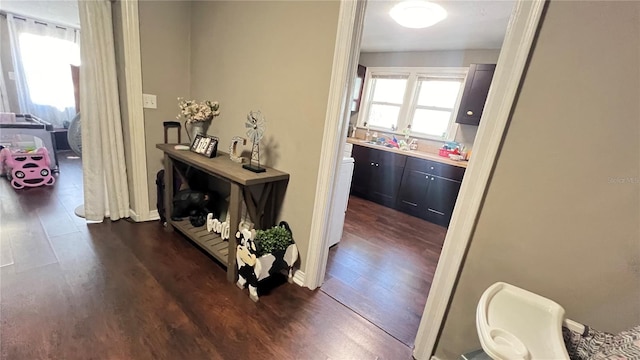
[
  {"x": 134, "y": 216},
  {"x": 509, "y": 71},
  {"x": 435, "y": 358},
  {"x": 408, "y": 106},
  {"x": 298, "y": 277},
  {"x": 4, "y": 97},
  {"x": 346, "y": 52},
  {"x": 153, "y": 215},
  {"x": 516, "y": 48},
  {"x": 135, "y": 114}
]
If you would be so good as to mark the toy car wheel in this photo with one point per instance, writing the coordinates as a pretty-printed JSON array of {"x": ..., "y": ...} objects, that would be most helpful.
[
  {"x": 44, "y": 172},
  {"x": 19, "y": 174},
  {"x": 17, "y": 185}
]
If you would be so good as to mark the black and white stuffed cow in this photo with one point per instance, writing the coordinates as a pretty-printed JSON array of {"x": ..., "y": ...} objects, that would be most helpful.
[{"x": 252, "y": 269}]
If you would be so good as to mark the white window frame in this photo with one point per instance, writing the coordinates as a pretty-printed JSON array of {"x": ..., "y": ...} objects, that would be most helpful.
[{"x": 409, "y": 104}]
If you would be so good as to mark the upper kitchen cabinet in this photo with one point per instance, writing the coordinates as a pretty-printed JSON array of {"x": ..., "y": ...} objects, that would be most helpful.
[{"x": 475, "y": 93}]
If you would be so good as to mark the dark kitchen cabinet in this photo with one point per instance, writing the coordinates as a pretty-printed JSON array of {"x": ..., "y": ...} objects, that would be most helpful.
[
  {"x": 441, "y": 199},
  {"x": 361, "y": 171},
  {"x": 422, "y": 188},
  {"x": 475, "y": 93},
  {"x": 429, "y": 190},
  {"x": 377, "y": 174},
  {"x": 413, "y": 192}
]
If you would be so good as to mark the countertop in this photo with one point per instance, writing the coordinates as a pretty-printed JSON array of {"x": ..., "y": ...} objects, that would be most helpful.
[{"x": 414, "y": 153}]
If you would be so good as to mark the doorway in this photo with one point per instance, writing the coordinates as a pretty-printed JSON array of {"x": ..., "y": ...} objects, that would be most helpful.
[
  {"x": 384, "y": 263},
  {"x": 511, "y": 64}
]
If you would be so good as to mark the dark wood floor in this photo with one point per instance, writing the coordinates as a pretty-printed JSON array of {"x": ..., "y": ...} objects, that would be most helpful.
[
  {"x": 383, "y": 266},
  {"x": 120, "y": 290}
]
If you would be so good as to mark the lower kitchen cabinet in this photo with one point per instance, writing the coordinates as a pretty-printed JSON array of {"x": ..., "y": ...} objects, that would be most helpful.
[
  {"x": 440, "y": 200},
  {"x": 429, "y": 190},
  {"x": 377, "y": 174},
  {"x": 422, "y": 188},
  {"x": 413, "y": 192},
  {"x": 360, "y": 181},
  {"x": 428, "y": 196}
]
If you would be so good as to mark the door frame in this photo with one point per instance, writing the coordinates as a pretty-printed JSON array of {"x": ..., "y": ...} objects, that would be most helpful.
[
  {"x": 510, "y": 68},
  {"x": 135, "y": 114}
]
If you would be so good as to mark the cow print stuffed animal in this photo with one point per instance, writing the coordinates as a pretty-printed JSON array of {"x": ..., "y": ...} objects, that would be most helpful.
[{"x": 252, "y": 269}]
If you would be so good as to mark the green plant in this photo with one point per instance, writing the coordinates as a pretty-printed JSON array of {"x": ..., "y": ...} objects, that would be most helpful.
[{"x": 271, "y": 240}]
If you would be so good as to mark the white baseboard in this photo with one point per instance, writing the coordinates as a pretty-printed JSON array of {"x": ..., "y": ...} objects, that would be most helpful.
[
  {"x": 434, "y": 358},
  {"x": 153, "y": 215},
  {"x": 298, "y": 277},
  {"x": 134, "y": 216}
]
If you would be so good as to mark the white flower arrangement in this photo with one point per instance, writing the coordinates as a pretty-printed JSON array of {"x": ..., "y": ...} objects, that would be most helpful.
[{"x": 194, "y": 112}]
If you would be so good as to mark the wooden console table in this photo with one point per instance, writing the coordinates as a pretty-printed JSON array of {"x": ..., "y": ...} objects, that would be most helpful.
[{"x": 262, "y": 194}]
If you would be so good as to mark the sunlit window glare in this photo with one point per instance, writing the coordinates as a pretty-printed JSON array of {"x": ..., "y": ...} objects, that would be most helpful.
[{"x": 46, "y": 61}]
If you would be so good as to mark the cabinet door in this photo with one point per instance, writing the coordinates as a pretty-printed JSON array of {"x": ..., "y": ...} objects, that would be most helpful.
[
  {"x": 386, "y": 177},
  {"x": 413, "y": 192},
  {"x": 475, "y": 93},
  {"x": 440, "y": 200},
  {"x": 362, "y": 170}
]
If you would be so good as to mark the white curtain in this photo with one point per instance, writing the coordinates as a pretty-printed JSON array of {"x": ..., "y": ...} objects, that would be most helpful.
[
  {"x": 105, "y": 174},
  {"x": 4, "y": 100},
  {"x": 42, "y": 54}
]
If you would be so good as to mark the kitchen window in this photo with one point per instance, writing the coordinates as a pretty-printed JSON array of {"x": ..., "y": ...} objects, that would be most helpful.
[{"x": 425, "y": 98}]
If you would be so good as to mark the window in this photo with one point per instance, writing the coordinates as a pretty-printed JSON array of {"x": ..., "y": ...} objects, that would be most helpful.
[
  {"x": 46, "y": 61},
  {"x": 425, "y": 98}
]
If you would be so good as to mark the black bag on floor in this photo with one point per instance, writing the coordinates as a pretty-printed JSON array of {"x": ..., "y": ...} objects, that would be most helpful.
[
  {"x": 177, "y": 180},
  {"x": 177, "y": 183}
]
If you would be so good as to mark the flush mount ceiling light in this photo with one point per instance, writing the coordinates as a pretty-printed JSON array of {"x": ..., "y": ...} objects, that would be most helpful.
[{"x": 417, "y": 14}]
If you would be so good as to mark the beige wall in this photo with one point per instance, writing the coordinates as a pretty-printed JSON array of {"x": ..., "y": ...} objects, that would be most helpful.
[
  {"x": 561, "y": 217},
  {"x": 452, "y": 58},
  {"x": 7, "y": 65},
  {"x": 275, "y": 57},
  {"x": 165, "y": 53}
]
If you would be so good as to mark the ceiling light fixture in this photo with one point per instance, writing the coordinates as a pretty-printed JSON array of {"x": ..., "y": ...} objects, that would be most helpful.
[{"x": 417, "y": 14}]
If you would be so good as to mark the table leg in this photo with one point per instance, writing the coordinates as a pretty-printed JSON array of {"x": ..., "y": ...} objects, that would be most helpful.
[
  {"x": 168, "y": 190},
  {"x": 235, "y": 207}
]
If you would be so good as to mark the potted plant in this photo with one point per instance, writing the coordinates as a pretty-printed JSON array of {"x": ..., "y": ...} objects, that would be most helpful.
[{"x": 262, "y": 253}]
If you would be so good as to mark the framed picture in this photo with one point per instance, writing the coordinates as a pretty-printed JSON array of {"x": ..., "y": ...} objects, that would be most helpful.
[{"x": 205, "y": 145}]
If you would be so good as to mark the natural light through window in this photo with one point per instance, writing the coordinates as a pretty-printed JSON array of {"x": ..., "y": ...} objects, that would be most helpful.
[
  {"x": 387, "y": 99},
  {"x": 425, "y": 98},
  {"x": 46, "y": 61},
  {"x": 435, "y": 105}
]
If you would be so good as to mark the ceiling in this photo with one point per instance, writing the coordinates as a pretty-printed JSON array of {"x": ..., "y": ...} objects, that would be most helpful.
[
  {"x": 63, "y": 12},
  {"x": 477, "y": 24}
]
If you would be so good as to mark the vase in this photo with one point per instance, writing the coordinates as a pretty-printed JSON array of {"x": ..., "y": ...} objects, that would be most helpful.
[{"x": 196, "y": 128}]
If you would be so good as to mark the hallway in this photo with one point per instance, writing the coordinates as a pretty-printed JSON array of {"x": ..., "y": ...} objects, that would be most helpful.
[{"x": 122, "y": 290}]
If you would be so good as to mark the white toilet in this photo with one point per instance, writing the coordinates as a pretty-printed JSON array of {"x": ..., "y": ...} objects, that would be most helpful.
[{"x": 515, "y": 324}]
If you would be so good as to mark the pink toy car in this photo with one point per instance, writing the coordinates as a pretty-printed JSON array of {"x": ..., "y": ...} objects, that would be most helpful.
[{"x": 27, "y": 169}]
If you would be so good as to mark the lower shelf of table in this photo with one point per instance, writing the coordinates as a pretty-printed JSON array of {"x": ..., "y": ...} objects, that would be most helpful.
[{"x": 209, "y": 241}]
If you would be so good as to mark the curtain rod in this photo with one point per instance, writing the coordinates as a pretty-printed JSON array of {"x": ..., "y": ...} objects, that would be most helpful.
[{"x": 4, "y": 13}]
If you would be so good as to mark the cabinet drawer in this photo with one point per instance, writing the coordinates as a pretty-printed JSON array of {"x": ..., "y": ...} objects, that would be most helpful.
[{"x": 435, "y": 168}]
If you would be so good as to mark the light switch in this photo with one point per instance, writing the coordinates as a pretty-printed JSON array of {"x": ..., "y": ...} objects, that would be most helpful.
[
  {"x": 12, "y": 75},
  {"x": 149, "y": 101}
]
